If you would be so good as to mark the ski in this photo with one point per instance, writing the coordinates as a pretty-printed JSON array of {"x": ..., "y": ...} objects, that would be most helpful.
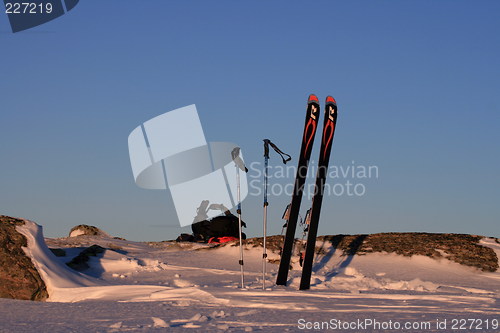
[
  {"x": 310, "y": 126},
  {"x": 330, "y": 121}
]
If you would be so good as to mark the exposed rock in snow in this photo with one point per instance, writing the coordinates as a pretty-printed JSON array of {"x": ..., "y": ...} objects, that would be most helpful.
[
  {"x": 58, "y": 252},
  {"x": 88, "y": 230},
  {"x": 19, "y": 279},
  {"x": 460, "y": 248},
  {"x": 79, "y": 262},
  {"x": 464, "y": 249}
]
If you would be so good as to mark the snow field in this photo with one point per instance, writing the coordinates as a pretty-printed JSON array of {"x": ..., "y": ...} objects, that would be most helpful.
[{"x": 181, "y": 287}]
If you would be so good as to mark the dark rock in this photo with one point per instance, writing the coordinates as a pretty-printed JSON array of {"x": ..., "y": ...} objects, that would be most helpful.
[
  {"x": 19, "y": 278},
  {"x": 273, "y": 243},
  {"x": 461, "y": 248},
  {"x": 79, "y": 262},
  {"x": 58, "y": 252}
]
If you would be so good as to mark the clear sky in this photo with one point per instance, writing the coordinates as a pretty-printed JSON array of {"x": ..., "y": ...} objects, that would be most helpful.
[{"x": 417, "y": 85}]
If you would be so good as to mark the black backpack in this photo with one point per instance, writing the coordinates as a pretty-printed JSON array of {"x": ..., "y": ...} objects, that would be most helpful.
[{"x": 218, "y": 226}]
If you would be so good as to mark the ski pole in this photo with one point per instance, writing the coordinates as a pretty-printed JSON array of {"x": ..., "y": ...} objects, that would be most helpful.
[
  {"x": 238, "y": 162},
  {"x": 266, "y": 203},
  {"x": 239, "y": 227},
  {"x": 268, "y": 143},
  {"x": 305, "y": 225},
  {"x": 286, "y": 216}
]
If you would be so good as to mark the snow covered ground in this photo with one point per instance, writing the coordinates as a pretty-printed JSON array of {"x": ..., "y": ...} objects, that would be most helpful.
[{"x": 189, "y": 287}]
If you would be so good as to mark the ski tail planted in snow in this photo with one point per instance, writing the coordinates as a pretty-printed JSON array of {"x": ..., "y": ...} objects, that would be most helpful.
[
  {"x": 330, "y": 121},
  {"x": 310, "y": 126}
]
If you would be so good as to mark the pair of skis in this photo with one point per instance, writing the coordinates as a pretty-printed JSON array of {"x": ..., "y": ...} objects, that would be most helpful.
[{"x": 311, "y": 124}]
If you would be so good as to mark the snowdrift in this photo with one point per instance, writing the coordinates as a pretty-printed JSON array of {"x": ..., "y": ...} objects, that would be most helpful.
[
  {"x": 168, "y": 271},
  {"x": 66, "y": 285}
]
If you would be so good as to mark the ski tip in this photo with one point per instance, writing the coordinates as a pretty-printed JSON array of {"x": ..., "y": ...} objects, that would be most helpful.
[
  {"x": 330, "y": 99},
  {"x": 313, "y": 99}
]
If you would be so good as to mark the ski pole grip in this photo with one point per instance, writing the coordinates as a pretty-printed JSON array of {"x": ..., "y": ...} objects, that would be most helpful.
[{"x": 266, "y": 147}]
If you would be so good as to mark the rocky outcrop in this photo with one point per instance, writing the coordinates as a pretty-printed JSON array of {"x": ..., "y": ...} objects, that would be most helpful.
[
  {"x": 79, "y": 262},
  {"x": 58, "y": 252},
  {"x": 86, "y": 230},
  {"x": 461, "y": 248},
  {"x": 19, "y": 278}
]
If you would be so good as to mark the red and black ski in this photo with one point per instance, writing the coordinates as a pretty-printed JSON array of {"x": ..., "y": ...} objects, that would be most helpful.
[
  {"x": 330, "y": 121},
  {"x": 305, "y": 153}
]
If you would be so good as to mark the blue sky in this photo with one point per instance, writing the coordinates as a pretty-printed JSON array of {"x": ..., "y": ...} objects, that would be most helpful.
[{"x": 416, "y": 84}]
